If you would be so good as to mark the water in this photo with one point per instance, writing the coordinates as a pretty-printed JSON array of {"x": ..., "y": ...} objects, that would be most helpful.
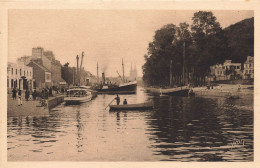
[{"x": 177, "y": 129}]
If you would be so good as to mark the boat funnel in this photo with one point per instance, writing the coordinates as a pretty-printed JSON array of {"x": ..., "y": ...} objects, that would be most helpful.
[{"x": 103, "y": 78}]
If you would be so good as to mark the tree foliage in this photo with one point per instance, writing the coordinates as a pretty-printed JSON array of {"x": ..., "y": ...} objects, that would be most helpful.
[{"x": 194, "y": 47}]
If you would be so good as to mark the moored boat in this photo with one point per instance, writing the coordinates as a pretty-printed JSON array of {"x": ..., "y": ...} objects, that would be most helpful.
[
  {"x": 125, "y": 88},
  {"x": 78, "y": 95},
  {"x": 139, "y": 106}
]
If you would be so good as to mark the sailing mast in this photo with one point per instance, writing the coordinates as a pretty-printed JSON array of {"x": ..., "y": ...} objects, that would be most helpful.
[
  {"x": 123, "y": 70},
  {"x": 183, "y": 66},
  {"x": 81, "y": 66},
  {"x": 97, "y": 74},
  {"x": 171, "y": 74},
  {"x": 77, "y": 72}
]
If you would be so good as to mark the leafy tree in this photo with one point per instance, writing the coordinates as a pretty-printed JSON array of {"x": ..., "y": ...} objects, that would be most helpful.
[
  {"x": 160, "y": 52},
  {"x": 209, "y": 40}
]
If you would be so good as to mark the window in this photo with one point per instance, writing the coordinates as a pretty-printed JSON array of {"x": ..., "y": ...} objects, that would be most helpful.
[
  {"x": 27, "y": 73},
  {"x": 238, "y": 67},
  {"x": 12, "y": 71},
  {"x": 24, "y": 73},
  {"x": 21, "y": 72},
  {"x": 12, "y": 83},
  {"x": 7, "y": 83},
  {"x": 16, "y": 71},
  {"x": 30, "y": 73}
]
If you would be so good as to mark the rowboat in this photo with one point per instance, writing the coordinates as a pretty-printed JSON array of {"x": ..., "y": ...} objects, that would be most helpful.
[{"x": 139, "y": 106}]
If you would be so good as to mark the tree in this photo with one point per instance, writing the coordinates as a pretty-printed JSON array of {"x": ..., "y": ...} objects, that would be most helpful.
[
  {"x": 209, "y": 41},
  {"x": 160, "y": 52},
  {"x": 67, "y": 73}
]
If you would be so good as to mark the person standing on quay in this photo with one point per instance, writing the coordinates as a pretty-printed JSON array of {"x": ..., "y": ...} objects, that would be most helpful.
[
  {"x": 34, "y": 94},
  {"x": 26, "y": 95},
  {"x": 14, "y": 93},
  {"x": 20, "y": 98}
]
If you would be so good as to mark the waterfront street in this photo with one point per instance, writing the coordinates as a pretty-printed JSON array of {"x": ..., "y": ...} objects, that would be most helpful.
[{"x": 29, "y": 108}]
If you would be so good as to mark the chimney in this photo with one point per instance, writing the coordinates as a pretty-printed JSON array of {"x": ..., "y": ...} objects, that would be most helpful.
[{"x": 103, "y": 78}]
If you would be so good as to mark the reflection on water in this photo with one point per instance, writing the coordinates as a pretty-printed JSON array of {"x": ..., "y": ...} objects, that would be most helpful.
[{"x": 177, "y": 129}]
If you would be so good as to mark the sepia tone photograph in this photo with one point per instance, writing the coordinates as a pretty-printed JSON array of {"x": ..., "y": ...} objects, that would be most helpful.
[{"x": 130, "y": 85}]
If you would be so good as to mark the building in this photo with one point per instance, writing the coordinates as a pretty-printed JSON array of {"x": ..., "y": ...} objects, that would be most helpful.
[
  {"x": 233, "y": 66},
  {"x": 37, "y": 53},
  {"x": 226, "y": 71},
  {"x": 41, "y": 75},
  {"x": 19, "y": 76},
  {"x": 47, "y": 60},
  {"x": 249, "y": 68}
]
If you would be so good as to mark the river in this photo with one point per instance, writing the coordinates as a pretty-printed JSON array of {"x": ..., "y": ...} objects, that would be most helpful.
[{"x": 177, "y": 129}]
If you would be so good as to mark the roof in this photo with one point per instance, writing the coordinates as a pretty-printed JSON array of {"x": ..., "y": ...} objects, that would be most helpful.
[{"x": 40, "y": 66}]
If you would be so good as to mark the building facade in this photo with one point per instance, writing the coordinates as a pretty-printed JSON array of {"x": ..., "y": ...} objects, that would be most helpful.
[
  {"x": 249, "y": 68},
  {"x": 226, "y": 71},
  {"x": 41, "y": 75},
  {"x": 19, "y": 76},
  {"x": 47, "y": 60}
]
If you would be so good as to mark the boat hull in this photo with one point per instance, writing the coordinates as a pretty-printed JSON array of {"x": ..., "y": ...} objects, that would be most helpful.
[
  {"x": 179, "y": 91},
  {"x": 74, "y": 101},
  {"x": 140, "y": 106},
  {"x": 125, "y": 89}
]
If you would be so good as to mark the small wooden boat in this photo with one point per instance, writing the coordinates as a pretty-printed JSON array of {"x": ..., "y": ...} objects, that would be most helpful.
[{"x": 139, "y": 106}]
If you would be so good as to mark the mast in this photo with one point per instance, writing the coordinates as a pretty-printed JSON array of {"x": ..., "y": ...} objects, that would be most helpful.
[
  {"x": 81, "y": 66},
  {"x": 73, "y": 76},
  {"x": 97, "y": 74},
  {"x": 183, "y": 65},
  {"x": 123, "y": 70},
  {"x": 77, "y": 72},
  {"x": 171, "y": 74}
]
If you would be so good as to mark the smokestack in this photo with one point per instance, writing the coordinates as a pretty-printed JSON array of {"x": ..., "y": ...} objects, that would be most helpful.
[{"x": 103, "y": 78}]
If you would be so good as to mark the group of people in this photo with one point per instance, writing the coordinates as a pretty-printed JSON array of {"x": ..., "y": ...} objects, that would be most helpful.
[
  {"x": 29, "y": 95},
  {"x": 117, "y": 98}
]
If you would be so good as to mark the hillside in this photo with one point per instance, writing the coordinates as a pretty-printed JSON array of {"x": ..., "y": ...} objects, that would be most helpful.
[{"x": 240, "y": 40}]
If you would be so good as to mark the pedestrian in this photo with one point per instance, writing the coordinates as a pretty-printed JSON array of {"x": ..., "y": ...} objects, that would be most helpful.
[
  {"x": 239, "y": 88},
  {"x": 117, "y": 99},
  {"x": 34, "y": 94},
  {"x": 125, "y": 102},
  {"x": 30, "y": 95},
  {"x": 26, "y": 95},
  {"x": 20, "y": 98},
  {"x": 14, "y": 93},
  {"x": 50, "y": 92}
]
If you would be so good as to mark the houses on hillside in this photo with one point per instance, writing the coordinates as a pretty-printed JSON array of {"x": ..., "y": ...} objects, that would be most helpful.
[{"x": 229, "y": 70}]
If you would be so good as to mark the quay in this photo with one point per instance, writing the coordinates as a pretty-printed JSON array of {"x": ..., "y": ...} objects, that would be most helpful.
[
  {"x": 31, "y": 107},
  {"x": 226, "y": 90}
]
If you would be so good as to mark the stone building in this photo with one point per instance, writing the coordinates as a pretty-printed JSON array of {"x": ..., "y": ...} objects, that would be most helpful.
[
  {"x": 19, "y": 76},
  {"x": 249, "y": 68}
]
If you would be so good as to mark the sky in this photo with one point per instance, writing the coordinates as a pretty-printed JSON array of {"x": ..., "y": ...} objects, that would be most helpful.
[{"x": 105, "y": 36}]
